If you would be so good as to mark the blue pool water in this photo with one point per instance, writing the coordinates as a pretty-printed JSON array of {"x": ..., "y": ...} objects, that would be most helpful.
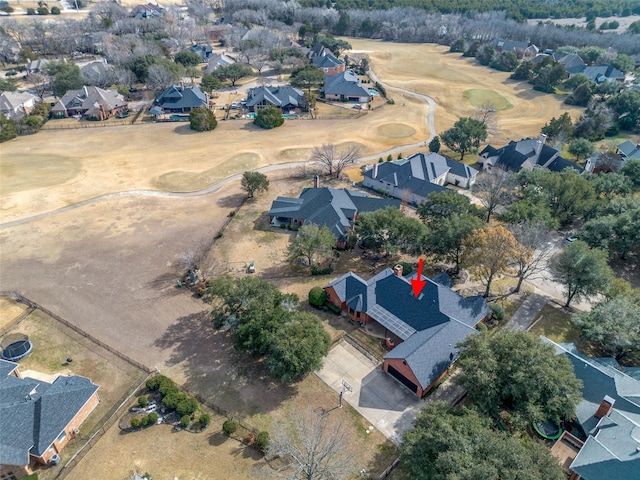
[{"x": 373, "y": 92}]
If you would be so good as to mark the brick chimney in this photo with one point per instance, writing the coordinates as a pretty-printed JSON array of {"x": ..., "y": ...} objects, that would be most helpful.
[
  {"x": 605, "y": 406},
  {"x": 316, "y": 181},
  {"x": 375, "y": 170},
  {"x": 397, "y": 270},
  {"x": 541, "y": 141}
]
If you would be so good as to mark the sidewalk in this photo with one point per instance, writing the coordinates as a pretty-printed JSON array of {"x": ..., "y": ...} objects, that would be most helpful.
[{"x": 527, "y": 312}]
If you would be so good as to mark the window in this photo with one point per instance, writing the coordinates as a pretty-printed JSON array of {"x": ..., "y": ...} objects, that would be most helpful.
[
  {"x": 62, "y": 436},
  {"x": 357, "y": 314}
]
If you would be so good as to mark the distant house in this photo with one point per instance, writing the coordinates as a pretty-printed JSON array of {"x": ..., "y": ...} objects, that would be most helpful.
[
  {"x": 16, "y": 105},
  {"x": 181, "y": 99},
  {"x": 604, "y": 162},
  {"x": 609, "y": 414},
  {"x": 414, "y": 178},
  {"x": 318, "y": 51},
  {"x": 629, "y": 150},
  {"x": 217, "y": 60},
  {"x": 91, "y": 102},
  {"x": 345, "y": 86},
  {"x": 422, "y": 331},
  {"x": 285, "y": 97},
  {"x": 95, "y": 71},
  {"x": 38, "y": 419},
  {"x": 205, "y": 51},
  {"x": 525, "y": 154},
  {"x": 215, "y": 32},
  {"x": 337, "y": 209},
  {"x": 36, "y": 66},
  {"x": 329, "y": 64},
  {"x": 521, "y": 49},
  {"x": 573, "y": 64},
  {"x": 603, "y": 73},
  {"x": 149, "y": 10}
]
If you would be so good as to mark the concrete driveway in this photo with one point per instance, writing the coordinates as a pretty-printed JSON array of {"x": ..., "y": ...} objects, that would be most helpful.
[{"x": 379, "y": 398}]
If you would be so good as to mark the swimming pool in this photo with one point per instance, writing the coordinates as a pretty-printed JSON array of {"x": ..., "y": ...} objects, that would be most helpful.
[
  {"x": 179, "y": 118},
  {"x": 286, "y": 116},
  {"x": 373, "y": 92}
]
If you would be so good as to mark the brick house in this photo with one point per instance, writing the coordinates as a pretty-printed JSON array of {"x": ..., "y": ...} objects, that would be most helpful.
[
  {"x": 329, "y": 64},
  {"x": 38, "y": 419},
  {"x": 422, "y": 331}
]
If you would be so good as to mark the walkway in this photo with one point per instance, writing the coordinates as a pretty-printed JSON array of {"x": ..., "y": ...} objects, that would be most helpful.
[{"x": 527, "y": 312}]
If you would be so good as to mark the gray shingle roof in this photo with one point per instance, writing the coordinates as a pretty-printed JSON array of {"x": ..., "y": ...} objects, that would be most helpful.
[
  {"x": 86, "y": 98},
  {"x": 177, "y": 97},
  {"x": 33, "y": 413},
  {"x": 344, "y": 83},
  {"x": 600, "y": 73},
  {"x": 281, "y": 96},
  {"x": 328, "y": 61},
  {"x": 515, "y": 154},
  {"x": 629, "y": 149},
  {"x": 335, "y": 208},
  {"x": 431, "y": 325}
]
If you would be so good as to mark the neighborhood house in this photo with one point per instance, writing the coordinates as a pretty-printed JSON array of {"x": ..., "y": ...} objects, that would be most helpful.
[
  {"x": 16, "y": 105},
  {"x": 284, "y": 97},
  {"x": 38, "y": 419},
  {"x": 422, "y": 331},
  {"x": 345, "y": 86},
  {"x": 181, "y": 99},
  {"x": 414, "y": 178},
  {"x": 525, "y": 154},
  {"x": 609, "y": 416},
  {"x": 91, "y": 102},
  {"x": 335, "y": 208}
]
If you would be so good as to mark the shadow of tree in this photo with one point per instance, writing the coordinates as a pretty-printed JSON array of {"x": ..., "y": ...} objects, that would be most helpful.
[
  {"x": 216, "y": 372},
  {"x": 231, "y": 201}
]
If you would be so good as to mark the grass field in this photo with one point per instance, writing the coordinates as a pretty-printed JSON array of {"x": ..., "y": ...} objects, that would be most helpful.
[
  {"x": 554, "y": 323},
  {"x": 480, "y": 98}
]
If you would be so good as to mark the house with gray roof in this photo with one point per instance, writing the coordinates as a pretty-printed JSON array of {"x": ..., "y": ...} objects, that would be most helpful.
[
  {"x": 603, "y": 73},
  {"x": 345, "y": 86},
  {"x": 38, "y": 419},
  {"x": 36, "y": 66},
  {"x": 16, "y": 105},
  {"x": 629, "y": 150},
  {"x": 205, "y": 51},
  {"x": 92, "y": 102},
  {"x": 329, "y": 64},
  {"x": 285, "y": 97},
  {"x": 528, "y": 153},
  {"x": 521, "y": 49},
  {"x": 217, "y": 60},
  {"x": 181, "y": 99},
  {"x": 609, "y": 416},
  {"x": 423, "y": 331},
  {"x": 335, "y": 208},
  {"x": 413, "y": 179},
  {"x": 572, "y": 63}
]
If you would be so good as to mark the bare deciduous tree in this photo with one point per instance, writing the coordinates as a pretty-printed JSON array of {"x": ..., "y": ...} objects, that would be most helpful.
[
  {"x": 494, "y": 188},
  {"x": 40, "y": 83},
  {"x": 334, "y": 161},
  {"x": 487, "y": 113},
  {"x": 534, "y": 251},
  {"x": 312, "y": 447}
]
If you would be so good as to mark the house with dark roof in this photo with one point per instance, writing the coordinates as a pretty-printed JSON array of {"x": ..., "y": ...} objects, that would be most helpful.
[
  {"x": 603, "y": 73},
  {"x": 609, "y": 415},
  {"x": 528, "y": 153},
  {"x": 38, "y": 419},
  {"x": 521, "y": 49},
  {"x": 422, "y": 331},
  {"x": 205, "y": 51},
  {"x": 413, "y": 179},
  {"x": 329, "y": 64},
  {"x": 92, "y": 102},
  {"x": 572, "y": 63},
  {"x": 335, "y": 208},
  {"x": 629, "y": 150},
  {"x": 285, "y": 97},
  {"x": 317, "y": 51},
  {"x": 36, "y": 66},
  {"x": 345, "y": 86},
  {"x": 181, "y": 99},
  {"x": 148, "y": 10}
]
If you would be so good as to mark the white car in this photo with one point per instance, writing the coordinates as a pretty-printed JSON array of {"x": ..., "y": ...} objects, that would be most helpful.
[
  {"x": 357, "y": 105},
  {"x": 234, "y": 105}
]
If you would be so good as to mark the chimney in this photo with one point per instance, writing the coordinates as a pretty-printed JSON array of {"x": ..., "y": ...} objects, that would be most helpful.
[
  {"x": 86, "y": 92},
  {"x": 316, "y": 181},
  {"x": 605, "y": 406},
  {"x": 397, "y": 270},
  {"x": 181, "y": 86},
  {"x": 541, "y": 141},
  {"x": 375, "y": 170}
]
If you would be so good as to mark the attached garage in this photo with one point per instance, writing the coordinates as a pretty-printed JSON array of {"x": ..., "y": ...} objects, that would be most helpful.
[{"x": 404, "y": 380}]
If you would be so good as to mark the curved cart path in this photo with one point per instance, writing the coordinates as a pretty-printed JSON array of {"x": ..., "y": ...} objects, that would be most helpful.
[{"x": 268, "y": 168}]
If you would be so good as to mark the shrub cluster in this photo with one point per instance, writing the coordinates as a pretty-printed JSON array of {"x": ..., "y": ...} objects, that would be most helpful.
[{"x": 172, "y": 397}]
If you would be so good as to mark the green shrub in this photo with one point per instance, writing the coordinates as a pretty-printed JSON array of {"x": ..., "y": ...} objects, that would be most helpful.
[
  {"x": 263, "y": 441},
  {"x": 380, "y": 160},
  {"x": 269, "y": 117},
  {"x": 498, "y": 311},
  {"x": 229, "y": 427},
  {"x": 315, "y": 270},
  {"x": 152, "y": 418},
  {"x": 142, "y": 401},
  {"x": 144, "y": 421},
  {"x": 31, "y": 11},
  {"x": 332, "y": 307},
  {"x": 185, "y": 420},
  {"x": 135, "y": 422},
  {"x": 204, "y": 420},
  {"x": 43, "y": 10},
  {"x": 9, "y": 9},
  {"x": 317, "y": 296},
  {"x": 381, "y": 89},
  {"x": 201, "y": 119},
  {"x": 173, "y": 399},
  {"x": 482, "y": 328},
  {"x": 283, "y": 226},
  {"x": 55, "y": 11}
]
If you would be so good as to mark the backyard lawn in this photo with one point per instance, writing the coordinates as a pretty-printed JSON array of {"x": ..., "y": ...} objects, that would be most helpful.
[{"x": 555, "y": 324}]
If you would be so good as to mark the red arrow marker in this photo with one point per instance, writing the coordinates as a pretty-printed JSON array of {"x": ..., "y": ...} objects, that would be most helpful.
[{"x": 417, "y": 284}]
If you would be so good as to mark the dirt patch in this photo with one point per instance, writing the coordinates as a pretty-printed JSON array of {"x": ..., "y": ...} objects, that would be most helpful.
[
  {"x": 10, "y": 310},
  {"x": 395, "y": 130}
]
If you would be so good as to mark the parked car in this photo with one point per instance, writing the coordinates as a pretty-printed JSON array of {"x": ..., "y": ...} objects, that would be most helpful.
[
  {"x": 152, "y": 407},
  {"x": 243, "y": 102},
  {"x": 357, "y": 105},
  {"x": 234, "y": 105},
  {"x": 570, "y": 239}
]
